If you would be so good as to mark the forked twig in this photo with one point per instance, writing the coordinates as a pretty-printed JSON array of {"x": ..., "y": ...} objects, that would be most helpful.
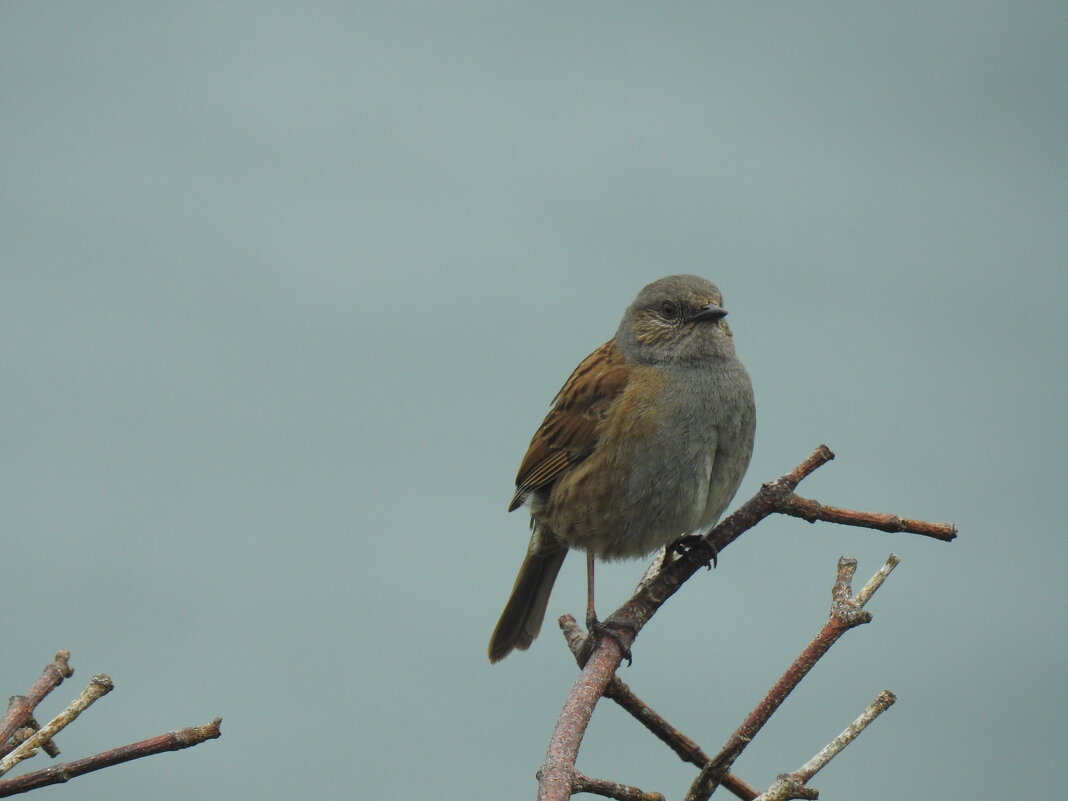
[
  {"x": 686, "y": 749},
  {"x": 794, "y": 785},
  {"x": 22, "y": 736},
  {"x": 99, "y": 686},
  {"x": 21, "y": 707},
  {"x": 847, "y": 612}
]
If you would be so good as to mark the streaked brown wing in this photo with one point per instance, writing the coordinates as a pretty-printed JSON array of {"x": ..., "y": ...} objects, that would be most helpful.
[{"x": 569, "y": 432}]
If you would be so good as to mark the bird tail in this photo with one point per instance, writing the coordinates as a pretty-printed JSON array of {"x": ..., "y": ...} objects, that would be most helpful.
[{"x": 522, "y": 616}]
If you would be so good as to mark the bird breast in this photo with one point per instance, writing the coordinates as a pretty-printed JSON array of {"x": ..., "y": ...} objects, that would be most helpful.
[{"x": 667, "y": 463}]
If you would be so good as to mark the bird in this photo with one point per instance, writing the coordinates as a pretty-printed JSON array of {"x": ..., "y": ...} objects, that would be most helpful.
[{"x": 645, "y": 444}]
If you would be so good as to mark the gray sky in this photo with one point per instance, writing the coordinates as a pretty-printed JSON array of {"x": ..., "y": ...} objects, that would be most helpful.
[{"x": 287, "y": 287}]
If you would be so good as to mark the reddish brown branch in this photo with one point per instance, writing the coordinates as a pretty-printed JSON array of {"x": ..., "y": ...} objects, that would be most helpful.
[
  {"x": 812, "y": 511},
  {"x": 57, "y": 774},
  {"x": 846, "y": 613},
  {"x": 620, "y": 792},
  {"x": 21, "y": 707},
  {"x": 686, "y": 749},
  {"x": 665, "y": 583},
  {"x": 19, "y": 714},
  {"x": 558, "y": 772}
]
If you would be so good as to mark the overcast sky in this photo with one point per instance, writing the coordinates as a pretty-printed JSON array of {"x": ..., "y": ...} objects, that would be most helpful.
[{"x": 285, "y": 288}]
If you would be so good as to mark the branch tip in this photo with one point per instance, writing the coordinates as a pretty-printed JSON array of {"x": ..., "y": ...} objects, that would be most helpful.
[
  {"x": 812, "y": 511},
  {"x": 883, "y": 701}
]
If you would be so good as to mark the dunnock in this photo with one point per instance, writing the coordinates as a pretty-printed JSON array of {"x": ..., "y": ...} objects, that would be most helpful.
[{"x": 646, "y": 443}]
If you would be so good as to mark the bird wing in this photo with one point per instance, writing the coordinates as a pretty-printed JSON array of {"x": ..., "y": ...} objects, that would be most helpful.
[{"x": 570, "y": 431}]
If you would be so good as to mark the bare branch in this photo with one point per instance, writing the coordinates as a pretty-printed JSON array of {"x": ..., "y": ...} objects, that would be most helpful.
[
  {"x": 57, "y": 774},
  {"x": 882, "y": 702},
  {"x": 686, "y": 749},
  {"x": 793, "y": 785},
  {"x": 812, "y": 511},
  {"x": 99, "y": 686},
  {"x": 711, "y": 775},
  {"x": 621, "y": 792},
  {"x": 876, "y": 581},
  {"x": 845, "y": 614},
  {"x": 557, "y": 773},
  {"x": 20, "y": 708},
  {"x": 23, "y": 734},
  {"x": 17, "y": 719},
  {"x": 784, "y": 788}
]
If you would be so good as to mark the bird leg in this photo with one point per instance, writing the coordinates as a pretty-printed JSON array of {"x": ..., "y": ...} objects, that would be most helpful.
[
  {"x": 596, "y": 628},
  {"x": 591, "y": 612}
]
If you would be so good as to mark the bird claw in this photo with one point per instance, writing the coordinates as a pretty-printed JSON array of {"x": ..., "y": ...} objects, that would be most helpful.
[
  {"x": 597, "y": 630},
  {"x": 684, "y": 546}
]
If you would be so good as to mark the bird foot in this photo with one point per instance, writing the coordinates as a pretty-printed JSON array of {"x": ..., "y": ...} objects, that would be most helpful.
[
  {"x": 597, "y": 630},
  {"x": 684, "y": 546}
]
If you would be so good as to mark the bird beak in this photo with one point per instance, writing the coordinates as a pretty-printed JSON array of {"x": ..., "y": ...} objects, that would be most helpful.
[{"x": 711, "y": 312}]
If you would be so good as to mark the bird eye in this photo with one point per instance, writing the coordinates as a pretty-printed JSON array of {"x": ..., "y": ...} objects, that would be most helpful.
[{"x": 669, "y": 310}]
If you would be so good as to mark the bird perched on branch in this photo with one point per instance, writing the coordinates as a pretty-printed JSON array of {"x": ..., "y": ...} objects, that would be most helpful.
[{"x": 646, "y": 443}]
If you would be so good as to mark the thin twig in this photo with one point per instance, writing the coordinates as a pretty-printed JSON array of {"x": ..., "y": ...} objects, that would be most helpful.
[
  {"x": 882, "y": 702},
  {"x": 845, "y": 614},
  {"x": 21, "y": 707},
  {"x": 57, "y": 774},
  {"x": 687, "y": 749},
  {"x": 876, "y": 581},
  {"x": 23, "y": 734},
  {"x": 784, "y": 788},
  {"x": 796, "y": 506},
  {"x": 620, "y": 792},
  {"x": 99, "y": 685},
  {"x": 793, "y": 785}
]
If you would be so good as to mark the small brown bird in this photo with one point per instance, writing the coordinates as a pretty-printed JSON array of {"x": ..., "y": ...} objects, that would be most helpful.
[{"x": 647, "y": 442}]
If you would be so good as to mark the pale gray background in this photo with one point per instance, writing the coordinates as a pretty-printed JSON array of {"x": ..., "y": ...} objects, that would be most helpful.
[{"x": 286, "y": 287}]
